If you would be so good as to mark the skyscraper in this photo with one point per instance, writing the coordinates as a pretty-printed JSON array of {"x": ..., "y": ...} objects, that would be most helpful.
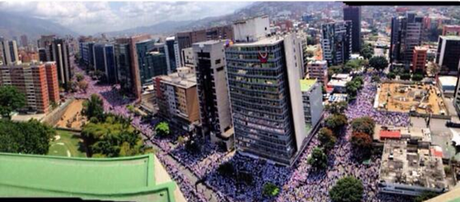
[
  {"x": 171, "y": 53},
  {"x": 9, "y": 50},
  {"x": 143, "y": 49},
  {"x": 406, "y": 33},
  {"x": 353, "y": 14},
  {"x": 104, "y": 61},
  {"x": 448, "y": 54},
  {"x": 266, "y": 103},
  {"x": 59, "y": 50},
  {"x": 212, "y": 86},
  {"x": 24, "y": 41},
  {"x": 336, "y": 42}
]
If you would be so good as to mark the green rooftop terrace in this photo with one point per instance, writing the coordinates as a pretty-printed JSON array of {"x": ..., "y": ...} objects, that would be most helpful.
[
  {"x": 306, "y": 84},
  {"x": 126, "y": 178}
]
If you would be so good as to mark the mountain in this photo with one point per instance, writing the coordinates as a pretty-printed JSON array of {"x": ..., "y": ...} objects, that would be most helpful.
[
  {"x": 160, "y": 28},
  {"x": 16, "y": 25},
  {"x": 274, "y": 10}
]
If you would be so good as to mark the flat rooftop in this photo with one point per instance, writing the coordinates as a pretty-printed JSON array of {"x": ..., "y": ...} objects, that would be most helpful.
[
  {"x": 125, "y": 178},
  {"x": 411, "y": 165},
  {"x": 306, "y": 84},
  {"x": 261, "y": 41}
]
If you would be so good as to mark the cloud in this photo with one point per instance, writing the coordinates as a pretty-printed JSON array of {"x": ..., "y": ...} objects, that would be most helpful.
[{"x": 95, "y": 17}]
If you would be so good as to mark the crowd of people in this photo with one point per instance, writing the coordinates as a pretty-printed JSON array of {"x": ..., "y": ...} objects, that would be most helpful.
[{"x": 299, "y": 183}]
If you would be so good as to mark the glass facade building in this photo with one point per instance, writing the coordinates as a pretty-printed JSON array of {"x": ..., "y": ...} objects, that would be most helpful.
[
  {"x": 143, "y": 48},
  {"x": 336, "y": 42},
  {"x": 123, "y": 66},
  {"x": 260, "y": 100}
]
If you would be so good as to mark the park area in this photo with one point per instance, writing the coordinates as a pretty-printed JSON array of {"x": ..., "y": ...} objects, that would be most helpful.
[
  {"x": 419, "y": 98},
  {"x": 72, "y": 118},
  {"x": 67, "y": 144}
]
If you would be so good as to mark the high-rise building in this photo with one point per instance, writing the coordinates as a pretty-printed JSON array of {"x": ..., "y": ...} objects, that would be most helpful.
[
  {"x": 263, "y": 77},
  {"x": 45, "y": 42},
  {"x": 318, "y": 70},
  {"x": 24, "y": 41},
  {"x": 312, "y": 98},
  {"x": 178, "y": 99},
  {"x": 9, "y": 50},
  {"x": 353, "y": 14},
  {"x": 189, "y": 58},
  {"x": 406, "y": 33},
  {"x": 38, "y": 82},
  {"x": 128, "y": 64},
  {"x": 448, "y": 53},
  {"x": 212, "y": 85},
  {"x": 104, "y": 61},
  {"x": 86, "y": 52},
  {"x": 448, "y": 30},
  {"x": 419, "y": 59},
  {"x": 336, "y": 42},
  {"x": 171, "y": 53},
  {"x": 186, "y": 39},
  {"x": 42, "y": 55},
  {"x": 59, "y": 50},
  {"x": 143, "y": 49}
]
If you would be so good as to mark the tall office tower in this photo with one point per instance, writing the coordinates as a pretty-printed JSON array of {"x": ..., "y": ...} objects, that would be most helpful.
[
  {"x": 128, "y": 64},
  {"x": 406, "y": 33},
  {"x": 33, "y": 81},
  {"x": 45, "y": 42},
  {"x": 59, "y": 50},
  {"x": 186, "y": 39},
  {"x": 266, "y": 103},
  {"x": 143, "y": 49},
  {"x": 448, "y": 54},
  {"x": 42, "y": 55},
  {"x": 353, "y": 14},
  {"x": 312, "y": 98},
  {"x": 104, "y": 61},
  {"x": 419, "y": 59},
  {"x": 24, "y": 41},
  {"x": 178, "y": 99},
  {"x": 336, "y": 42},
  {"x": 212, "y": 85},
  {"x": 171, "y": 54},
  {"x": 9, "y": 50},
  {"x": 87, "y": 53}
]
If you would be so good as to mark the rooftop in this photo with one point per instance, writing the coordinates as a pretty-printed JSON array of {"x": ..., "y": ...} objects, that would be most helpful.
[
  {"x": 272, "y": 40},
  {"x": 125, "y": 178},
  {"x": 306, "y": 84},
  {"x": 451, "y": 37},
  {"x": 411, "y": 166},
  {"x": 184, "y": 77}
]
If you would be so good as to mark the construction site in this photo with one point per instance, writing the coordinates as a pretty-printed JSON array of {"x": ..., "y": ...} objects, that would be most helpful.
[
  {"x": 72, "y": 117},
  {"x": 414, "y": 98}
]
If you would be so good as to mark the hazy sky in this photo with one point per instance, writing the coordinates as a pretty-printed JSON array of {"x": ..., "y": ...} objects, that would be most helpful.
[{"x": 94, "y": 17}]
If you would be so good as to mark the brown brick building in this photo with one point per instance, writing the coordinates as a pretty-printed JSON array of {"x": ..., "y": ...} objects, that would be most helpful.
[
  {"x": 38, "y": 82},
  {"x": 419, "y": 58}
]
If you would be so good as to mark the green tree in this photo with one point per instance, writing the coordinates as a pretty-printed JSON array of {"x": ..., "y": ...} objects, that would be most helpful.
[
  {"x": 318, "y": 159},
  {"x": 79, "y": 77},
  {"x": 270, "y": 189},
  {"x": 336, "y": 122},
  {"x": 336, "y": 108},
  {"x": 405, "y": 76},
  {"x": 10, "y": 100},
  {"x": 162, "y": 129},
  {"x": 417, "y": 77},
  {"x": 378, "y": 62},
  {"x": 347, "y": 189},
  {"x": 113, "y": 137},
  {"x": 30, "y": 137},
  {"x": 364, "y": 124},
  {"x": 83, "y": 85},
  {"x": 391, "y": 75},
  {"x": 375, "y": 78},
  {"x": 425, "y": 196},
  {"x": 367, "y": 51},
  {"x": 326, "y": 138},
  {"x": 94, "y": 108}
]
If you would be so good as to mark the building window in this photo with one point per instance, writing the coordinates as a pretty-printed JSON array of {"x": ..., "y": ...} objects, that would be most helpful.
[{"x": 217, "y": 61}]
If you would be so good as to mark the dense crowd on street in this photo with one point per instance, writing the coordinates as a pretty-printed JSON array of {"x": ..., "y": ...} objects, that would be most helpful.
[{"x": 299, "y": 183}]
